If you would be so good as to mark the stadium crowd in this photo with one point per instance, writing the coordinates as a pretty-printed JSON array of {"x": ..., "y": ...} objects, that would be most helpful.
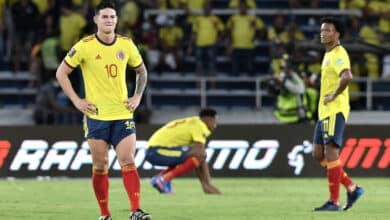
[{"x": 36, "y": 35}]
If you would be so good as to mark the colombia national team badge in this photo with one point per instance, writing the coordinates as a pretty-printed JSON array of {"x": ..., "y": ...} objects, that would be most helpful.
[{"x": 120, "y": 55}]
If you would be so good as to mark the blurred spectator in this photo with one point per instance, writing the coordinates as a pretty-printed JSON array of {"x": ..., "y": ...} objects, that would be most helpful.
[
  {"x": 191, "y": 5},
  {"x": 71, "y": 26},
  {"x": 358, "y": 68},
  {"x": 25, "y": 17},
  {"x": 53, "y": 107},
  {"x": 292, "y": 34},
  {"x": 309, "y": 65},
  {"x": 45, "y": 58},
  {"x": 236, "y": 3},
  {"x": 353, "y": 30},
  {"x": 207, "y": 29},
  {"x": 303, "y": 3},
  {"x": 42, "y": 5},
  {"x": 149, "y": 37},
  {"x": 173, "y": 4},
  {"x": 128, "y": 18},
  {"x": 170, "y": 38},
  {"x": 276, "y": 46},
  {"x": 380, "y": 11},
  {"x": 369, "y": 34},
  {"x": 352, "y": 4},
  {"x": 296, "y": 103},
  {"x": 243, "y": 29}
]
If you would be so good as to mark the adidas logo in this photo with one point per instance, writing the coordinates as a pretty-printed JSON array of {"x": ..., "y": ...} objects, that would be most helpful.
[{"x": 98, "y": 57}]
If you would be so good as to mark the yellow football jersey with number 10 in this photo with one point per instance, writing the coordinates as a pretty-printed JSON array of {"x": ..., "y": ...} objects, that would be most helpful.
[
  {"x": 104, "y": 73},
  {"x": 333, "y": 63}
]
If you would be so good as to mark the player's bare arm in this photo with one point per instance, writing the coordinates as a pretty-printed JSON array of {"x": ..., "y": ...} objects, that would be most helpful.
[
  {"x": 203, "y": 174},
  {"x": 62, "y": 76},
  {"x": 346, "y": 78},
  {"x": 140, "y": 84},
  {"x": 202, "y": 171},
  {"x": 198, "y": 151}
]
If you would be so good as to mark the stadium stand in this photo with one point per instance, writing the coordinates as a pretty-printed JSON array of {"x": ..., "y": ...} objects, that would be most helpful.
[{"x": 181, "y": 89}]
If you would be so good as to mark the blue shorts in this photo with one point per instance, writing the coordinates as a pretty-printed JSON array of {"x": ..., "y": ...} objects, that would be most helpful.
[
  {"x": 110, "y": 131},
  {"x": 167, "y": 156},
  {"x": 330, "y": 129}
]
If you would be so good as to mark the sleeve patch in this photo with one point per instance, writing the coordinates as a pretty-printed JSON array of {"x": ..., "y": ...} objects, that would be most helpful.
[
  {"x": 72, "y": 52},
  {"x": 339, "y": 62}
]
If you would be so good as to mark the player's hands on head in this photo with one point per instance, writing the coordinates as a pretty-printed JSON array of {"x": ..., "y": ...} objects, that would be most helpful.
[
  {"x": 86, "y": 107},
  {"x": 133, "y": 102}
]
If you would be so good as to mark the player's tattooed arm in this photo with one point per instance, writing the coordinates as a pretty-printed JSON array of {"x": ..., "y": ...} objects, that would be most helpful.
[{"x": 141, "y": 79}]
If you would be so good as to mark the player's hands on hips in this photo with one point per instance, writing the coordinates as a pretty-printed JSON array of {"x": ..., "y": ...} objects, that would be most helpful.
[
  {"x": 133, "y": 102},
  {"x": 86, "y": 107},
  {"x": 329, "y": 98}
]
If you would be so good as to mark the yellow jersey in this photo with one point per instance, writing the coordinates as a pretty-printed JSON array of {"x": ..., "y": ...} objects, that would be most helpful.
[
  {"x": 171, "y": 36},
  {"x": 207, "y": 29},
  {"x": 333, "y": 63},
  {"x": 243, "y": 29},
  {"x": 180, "y": 132},
  {"x": 71, "y": 27},
  {"x": 194, "y": 4},
  {"x": 236, "y": 3},
  {"x": 104, "y": 73}
]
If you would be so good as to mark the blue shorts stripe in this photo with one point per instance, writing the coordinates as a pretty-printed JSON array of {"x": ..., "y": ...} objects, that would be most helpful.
[{"x": 167, "y": 156}]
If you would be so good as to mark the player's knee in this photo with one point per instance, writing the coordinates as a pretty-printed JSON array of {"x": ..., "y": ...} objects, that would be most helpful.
[{"x": 124, "y": 161}]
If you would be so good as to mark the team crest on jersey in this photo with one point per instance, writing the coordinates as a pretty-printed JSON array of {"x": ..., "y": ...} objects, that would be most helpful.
[
  {"x": 72, "y": 52},
  {"x": 120, "y": 55}
]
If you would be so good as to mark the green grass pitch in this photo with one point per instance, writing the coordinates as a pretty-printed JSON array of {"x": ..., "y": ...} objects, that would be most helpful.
[{"x": 243, "y": 198}]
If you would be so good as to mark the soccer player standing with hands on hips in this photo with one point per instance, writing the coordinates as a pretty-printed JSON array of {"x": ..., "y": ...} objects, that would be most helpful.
[
  {"x": 103, "y": 58},
  {"x": 333, "y": 110},
  {"x": 180, "y": 145}
]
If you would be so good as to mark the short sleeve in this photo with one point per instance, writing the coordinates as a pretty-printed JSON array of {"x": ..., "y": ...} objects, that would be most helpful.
[
  {"x": 135, "y": 58},
  {"x": 74, "y": 56},
  {"x": 198, "y": 133},
  {"x": 341, "y": 62}
]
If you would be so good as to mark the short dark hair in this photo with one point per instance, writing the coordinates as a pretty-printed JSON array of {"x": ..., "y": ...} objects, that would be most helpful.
[
  {"x": 337, "y": 23},
  {"x": 103, "y": 5},
  {"x": 207, "y": 112}
]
